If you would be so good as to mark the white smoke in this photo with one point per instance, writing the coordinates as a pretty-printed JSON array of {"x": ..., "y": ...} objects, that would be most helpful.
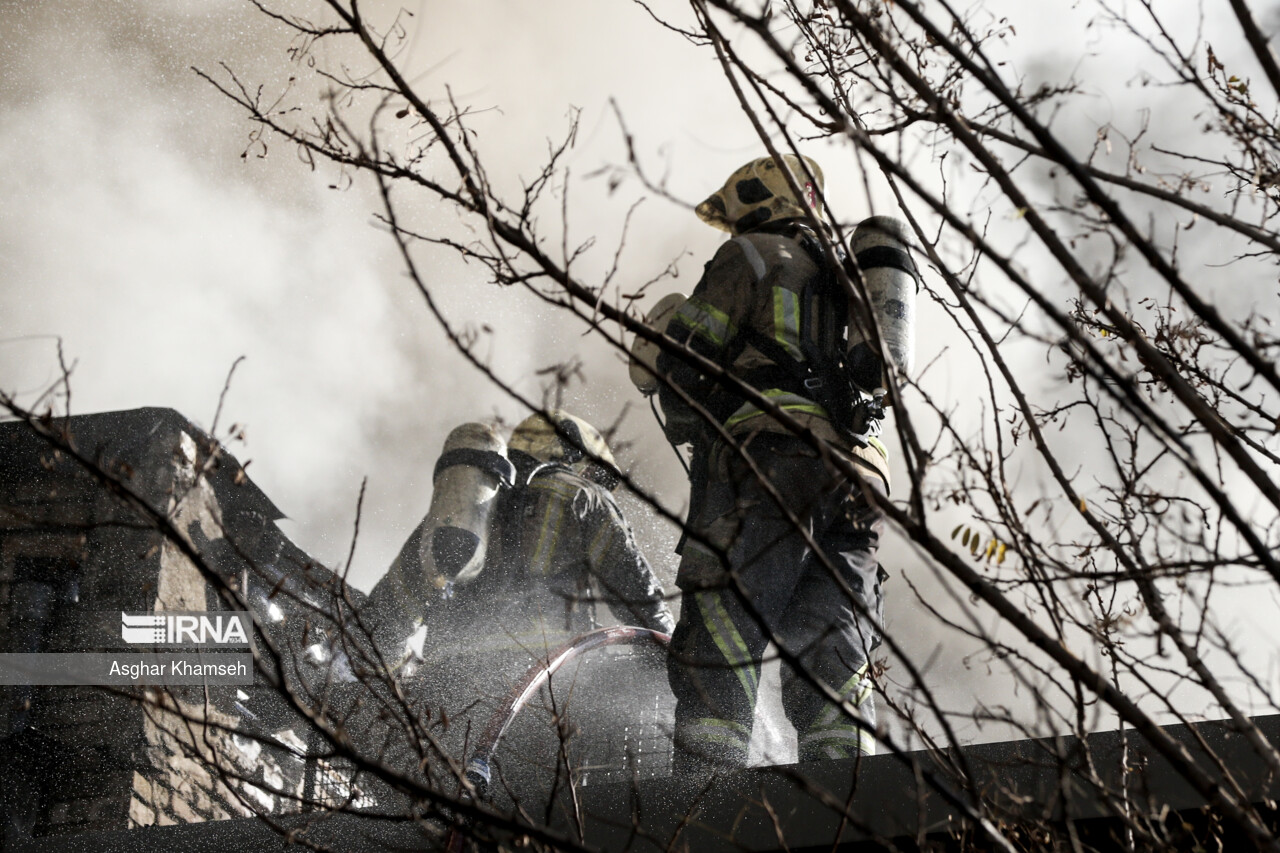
[
  {"x": 135, "y": 232},
  {"x": 132, "y": 228}
]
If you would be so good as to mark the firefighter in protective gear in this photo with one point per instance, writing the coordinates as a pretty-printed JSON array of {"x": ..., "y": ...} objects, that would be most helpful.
[
  {"x": 449, "y": 544},
  {"x": 521, "y": 543},
  {"x": 555, "y": 547},
  {"x": 747, "y": 573},
  {"x": 558, "y": 546},
  {"x": 565, "y": 532}
]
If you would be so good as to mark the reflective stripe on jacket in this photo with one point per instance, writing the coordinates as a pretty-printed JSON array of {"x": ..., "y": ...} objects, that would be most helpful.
[
  {"x": 573, "y": 539},
  {"x": 755, "y": 281}
]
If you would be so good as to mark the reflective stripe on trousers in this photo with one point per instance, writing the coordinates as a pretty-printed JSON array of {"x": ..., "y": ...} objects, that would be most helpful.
[
  {"x": 824, "y": 612},
  {"x": 717, "y": 741},
  {"x": 833, "y": 733}
]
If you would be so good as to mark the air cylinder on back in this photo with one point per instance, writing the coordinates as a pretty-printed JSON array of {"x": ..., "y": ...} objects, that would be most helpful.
[
  {"x": 472, "y": 469},
  {"x": 644, "y": 353},
  {"x": 881, "y": 246}
]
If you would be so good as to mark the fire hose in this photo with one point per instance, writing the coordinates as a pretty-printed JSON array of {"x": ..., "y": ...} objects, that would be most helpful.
[{"x": 479, "y": 773}]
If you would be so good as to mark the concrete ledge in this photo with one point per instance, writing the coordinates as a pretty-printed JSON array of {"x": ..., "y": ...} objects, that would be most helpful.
[{"x": 800, "y": 807}]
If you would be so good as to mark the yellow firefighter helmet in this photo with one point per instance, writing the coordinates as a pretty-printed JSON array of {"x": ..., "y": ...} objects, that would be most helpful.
[
  {"x": 557, "y": 436},
  {"x": 644, "y": 353},
  {"x": 758, "y": 193}
]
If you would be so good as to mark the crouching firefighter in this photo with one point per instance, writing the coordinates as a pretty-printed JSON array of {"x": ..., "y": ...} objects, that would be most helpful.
[
  {"x": 449, "y": 545},
  {"x": 771, "y": 310},
  {"x": 563, "y": 545},
  {"x": 522, "y": 542}
]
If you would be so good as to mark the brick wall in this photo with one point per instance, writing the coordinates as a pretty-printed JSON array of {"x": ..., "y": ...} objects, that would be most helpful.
[
  {"x": 76, "y": 759},
  {"x": 83, "y": 759}
]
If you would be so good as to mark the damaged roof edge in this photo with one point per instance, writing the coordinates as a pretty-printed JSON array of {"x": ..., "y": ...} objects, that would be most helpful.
[
  {"x": 782, "y": 808},
  {"x": 125, "y": 434}
]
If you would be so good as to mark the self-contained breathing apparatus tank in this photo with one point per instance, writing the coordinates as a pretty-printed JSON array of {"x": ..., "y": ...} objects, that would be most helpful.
[
  {"x": 644, "y": 353},
  {"x": 643, "y": 366},
  {"x": 449, "y": 545},
  {"x": 472, "y": 469},
  {"x": 881, "y": 247}
]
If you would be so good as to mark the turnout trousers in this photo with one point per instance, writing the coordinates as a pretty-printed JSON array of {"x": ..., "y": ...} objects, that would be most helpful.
[{"x": 747, "y": 576}]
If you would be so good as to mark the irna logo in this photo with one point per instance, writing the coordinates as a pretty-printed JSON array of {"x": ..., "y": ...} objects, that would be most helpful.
[{"x": 185, "y": 629}]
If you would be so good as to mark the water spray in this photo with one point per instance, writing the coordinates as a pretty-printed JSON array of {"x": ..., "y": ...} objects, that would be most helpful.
[{"x": 479, "y": 772}]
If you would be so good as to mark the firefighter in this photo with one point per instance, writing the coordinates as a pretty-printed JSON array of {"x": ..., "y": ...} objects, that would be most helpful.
[
  {"x": 560, "y": 536},
  {"x": 522, "y": 543},
  {"x": 557, "y": 547},
  {"x": 770, "y": 310}
]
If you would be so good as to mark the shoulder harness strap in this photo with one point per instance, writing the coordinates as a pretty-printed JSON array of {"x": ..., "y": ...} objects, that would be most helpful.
[{"x": 753, "y": 256}]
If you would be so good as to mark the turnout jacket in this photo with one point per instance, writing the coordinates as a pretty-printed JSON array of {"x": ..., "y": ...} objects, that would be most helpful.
[
  {"x": 753, "y": 287},
  {"x": 558, "y": 546},
  {"x": 564, "y": 534}
]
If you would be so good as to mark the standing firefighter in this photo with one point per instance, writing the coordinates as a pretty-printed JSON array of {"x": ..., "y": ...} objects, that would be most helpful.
[
  {"x": 521, "y": 542},
  {"x": 770, "y": 309}
]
